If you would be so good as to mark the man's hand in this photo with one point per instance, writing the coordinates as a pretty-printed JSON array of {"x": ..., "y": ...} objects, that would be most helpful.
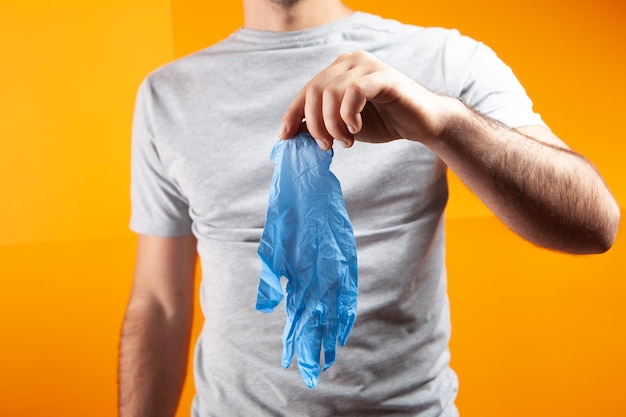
[{"x": 360, "y": 98}]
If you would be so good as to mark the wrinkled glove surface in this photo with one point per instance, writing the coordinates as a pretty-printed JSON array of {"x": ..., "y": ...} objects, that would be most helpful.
[{"x": 308, "y": 239}]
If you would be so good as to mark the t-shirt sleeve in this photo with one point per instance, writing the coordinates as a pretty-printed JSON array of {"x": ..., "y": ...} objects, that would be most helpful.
[
  {"x": 157, "y": 205},
  {"x": 477, "y": 75}
]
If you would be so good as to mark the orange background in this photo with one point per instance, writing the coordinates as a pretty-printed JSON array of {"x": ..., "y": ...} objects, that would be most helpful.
[{"x": 535, "y": 333}]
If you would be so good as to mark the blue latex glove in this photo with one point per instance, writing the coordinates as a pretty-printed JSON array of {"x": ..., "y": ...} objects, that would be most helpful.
[{"x": 308, "y": 239}]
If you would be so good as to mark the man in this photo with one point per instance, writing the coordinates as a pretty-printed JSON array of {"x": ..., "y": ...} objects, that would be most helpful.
[{"x": 204, "y": 126}]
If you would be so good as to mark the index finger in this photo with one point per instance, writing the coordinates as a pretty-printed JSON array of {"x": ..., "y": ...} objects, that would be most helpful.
[{"x": 293, "y": 118}]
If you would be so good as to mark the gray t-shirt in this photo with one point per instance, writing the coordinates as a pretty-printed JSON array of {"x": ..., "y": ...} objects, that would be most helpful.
[{"x": 204, "y": 126}]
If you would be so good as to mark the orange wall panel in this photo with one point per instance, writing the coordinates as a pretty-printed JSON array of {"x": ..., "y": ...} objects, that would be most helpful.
[
  {"x": 68, "y": 78},
  {"x": 60, "y": 315},
  {"x": 198, "y": 24},
  {"x": 535, "y": 333}
]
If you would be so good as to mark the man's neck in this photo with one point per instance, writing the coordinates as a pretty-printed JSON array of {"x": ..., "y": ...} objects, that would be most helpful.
[{"x": 284, "y": 15}]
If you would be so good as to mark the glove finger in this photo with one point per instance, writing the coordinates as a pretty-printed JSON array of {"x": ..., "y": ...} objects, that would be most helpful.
[
  {"x": 308, "y": 347},
  {"x": 328, "y": 325},
  {"x": 288, "y": 342},
  {"x": 346, "y": 323},
  {"x": 270, "y": 292},
  {"x": 330, "y": 344},
  {"x": 293, "y": 325},
  {"x": 347, "y": 299}
]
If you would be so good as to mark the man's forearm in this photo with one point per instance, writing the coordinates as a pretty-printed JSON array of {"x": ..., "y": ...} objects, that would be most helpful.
[
  {"x": 545, "y": 192},
  {"x": 153, "y": 361}
]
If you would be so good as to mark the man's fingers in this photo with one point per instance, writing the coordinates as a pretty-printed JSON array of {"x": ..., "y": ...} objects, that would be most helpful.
[
  {"x": 332, "y": 98},
  {"x": 332, "y": 102},
  {"x": 293, "y": 117},
  {"x": 314, "y": 115},
  {"x": 301, "y": 105},
  {"x": 352, "y": 105}
]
